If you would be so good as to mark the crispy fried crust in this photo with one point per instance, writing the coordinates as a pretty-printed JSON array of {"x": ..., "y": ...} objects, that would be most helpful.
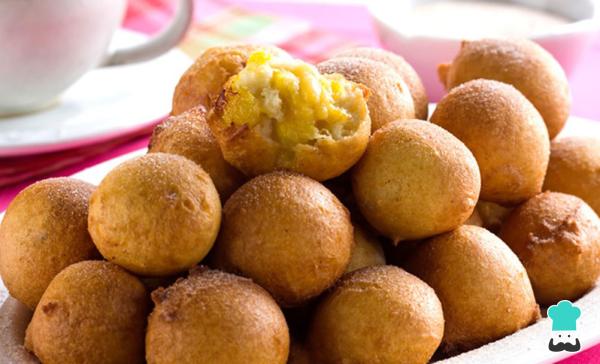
[
  {"x": 44, "y": 230},
  {"x": 481, "y": 283},
  {"x": 557, "y": 237},
  {"x": 92, "y": 312},
  {"x": 521, "y": 63},
  {"x": 415, "y": 180},
  {"x": 574, "y": 168},
  {"x": 367, "y": 250},
  {"x": 188, "y": 135},
  {"x": 288, "y": 233},
  {"x": 403, "y": 68},
  {"x": 505, "y": 133},
  {"x": 216, "y": 317},
  {"x": 377, "y": 315},
  {"x": 202, "y": 83},
  {"x": 389, "y": 96},
  {"x": 155, "y": 215}
]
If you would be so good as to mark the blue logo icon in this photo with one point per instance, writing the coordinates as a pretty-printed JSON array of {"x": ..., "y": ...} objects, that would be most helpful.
[{"x": 564, "y": 317}]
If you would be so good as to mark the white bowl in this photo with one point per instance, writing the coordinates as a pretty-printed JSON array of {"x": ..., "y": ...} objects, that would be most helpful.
[{"x": 425, "y": 51}]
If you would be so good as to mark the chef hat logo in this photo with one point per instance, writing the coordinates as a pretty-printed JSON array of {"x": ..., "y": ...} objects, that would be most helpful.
[{"x": 564, "y": 316}]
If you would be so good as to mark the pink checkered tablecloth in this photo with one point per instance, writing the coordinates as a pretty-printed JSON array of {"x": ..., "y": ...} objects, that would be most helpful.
[{"x": 305, "y": 30}]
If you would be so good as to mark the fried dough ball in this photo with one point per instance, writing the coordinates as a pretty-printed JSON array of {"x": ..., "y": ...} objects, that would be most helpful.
[
  {"x": 280, "y": 113},
  {"x": 288, "y": 233},
  {"x": 367, "y": 250},
  {"x": 188, "y": 135},
  {"x": 481, "y": 283},
  {"x": 44, "y": 230},
  {"x": 415, "y": 180},
  {"x": 557, "y": 237},
  {"x": 505, "y": 133},
  {"x": 155, "y": 215},
  {"x": 377, "y": 315},
  {"x": 389, "y": 96},
  {"x": 216, "y": 317},
  {"x": 92, "y": 312},
  {"x": 403, "y": 68},
  {"x": 521, "y": 63},
  {"x": 492, "y": 215},
  {"x": 299, "y": 353},
  {"x": 574, "y": 168},
  {"x": 474, "y": 219},
  {"x": 202, "y": 83}
]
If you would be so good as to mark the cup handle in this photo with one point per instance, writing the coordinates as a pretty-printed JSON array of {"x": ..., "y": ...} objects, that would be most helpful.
[{"x": 157, "y": 45}]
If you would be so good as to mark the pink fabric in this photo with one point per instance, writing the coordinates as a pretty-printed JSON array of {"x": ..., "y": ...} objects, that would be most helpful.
[{"x": 352, "y": 22}]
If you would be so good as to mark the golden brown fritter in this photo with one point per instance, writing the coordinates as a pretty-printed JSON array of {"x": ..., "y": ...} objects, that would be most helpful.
[
  {"x": 155, "y": 215},
  {"x": 574, "y": 168},
  {"x": 492, "y": 215},
  {"x": 481, "y": 283},
  {"x": 202, "y": 83},
  {"x": 188, "y": 135},
  {"x": 288, "y": 233},
  {"x": 92, "y": 312},
  {"x": 505, "y": 133},
  {"x": 44, "y": 230},
  {"x": 367, "y": 250},
  {"x": 216, "y": 317},
  {"x": 521, "y": 63},
  {"x": 403, "y": 68},
  {"x": 389, "y": 96},
  {"x": 415, "y": 180},
  {"x": 280, "y": 113},
  {"x": 557, "y": 237},
  {"x": 377, "y": 315}
]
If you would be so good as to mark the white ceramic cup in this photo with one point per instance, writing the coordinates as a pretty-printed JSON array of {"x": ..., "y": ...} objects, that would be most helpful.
[{"x": 46, "y": 45}]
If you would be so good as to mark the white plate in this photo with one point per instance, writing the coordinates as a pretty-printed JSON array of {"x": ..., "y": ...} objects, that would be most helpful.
[
  {"x": 527, "y": 346},
  {"x": 103, "y": 104}
]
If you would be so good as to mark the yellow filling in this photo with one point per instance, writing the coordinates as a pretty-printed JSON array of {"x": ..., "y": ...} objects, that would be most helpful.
[{"x": 291, "y": 102}]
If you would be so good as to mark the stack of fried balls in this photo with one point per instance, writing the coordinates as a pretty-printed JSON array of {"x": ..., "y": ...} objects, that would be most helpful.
[{"x": 297, "y": 213}]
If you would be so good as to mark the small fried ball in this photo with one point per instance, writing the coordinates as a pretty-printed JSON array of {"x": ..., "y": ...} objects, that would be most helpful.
[
  {"x": 518, "y": 62},
  {"x": 202, "y": 83},
  {"x": 574, "y": 168},
  {"x": 389, "y": 96},
  {"x": 481, "y": 283},
  {"x": 288, "y": 233},
  {"x": 402, "y": 68},
  {"x": 280, "y": 113},
  {"x": 505, "y": 133},
  {"x": 377, "y": 315},
  {"x": 415, "y": 180},
  {"x": 92, "y": 312},
  {"x": 557, "y": 237},
  {"x": 367, "y": 250},
  {"x": 474, "y": 219},
  {"x": 216, "y": 317},
  {"x": 155, "y": 215},
  {"x": 44, "y": 230},
  {"x": 188, "y": 135},
  {"x": 492, "y": 215}
]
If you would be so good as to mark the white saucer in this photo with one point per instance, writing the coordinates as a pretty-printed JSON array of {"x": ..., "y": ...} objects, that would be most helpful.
[{"x": 103, "y": 104}]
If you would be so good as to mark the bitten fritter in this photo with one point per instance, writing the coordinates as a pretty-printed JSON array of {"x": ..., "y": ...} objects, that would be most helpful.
[
  {"x": 557, "y": 237},
  {"x": 574, "y": 168},
  {"x": 281, "y": 113},
  {"x": 481, "y": 283},
  {"x": 521, "y": 63},
  {"x": 188, "y": 135},
  {"x": 377, "y": 315},
  {"x": 288, "y": 233},
  {"x": 505, "y": 133},
  {"x": 92, "y": 312},
  {"x": 44, "y": 230},
  {"x": 415, "y": 180},
  {"x": 216, "y": 317},
  {"x": 155, "y": 215},
  {"x": 403, "y": 68},
  {"x": 389, "y": 96},
  {"x": 203, "y": 82}
]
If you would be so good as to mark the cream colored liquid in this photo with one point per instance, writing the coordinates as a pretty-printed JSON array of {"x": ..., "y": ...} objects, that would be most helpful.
[{"x": 478, "y": 19}]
